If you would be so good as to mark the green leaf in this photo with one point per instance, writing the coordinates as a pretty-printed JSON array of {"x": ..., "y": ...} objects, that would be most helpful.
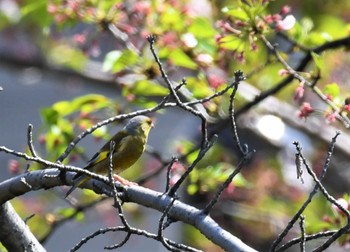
[
  {"x": 143, "y": 102},
  {"x": 70, "y": 211},
  {"x": 192, "y": 189},
  {"x": 86, "y": 103},
  {"x": 116, "y": 61},
  {"x": 90, "y": 103},
  {"x": 237, "y": 13},
  {"x": 49, "y": 115},
  {"x": 66, "y": 55},
  {"x": 180, "y": 58},
  {"x": 318, "y": 61},
  {"x": 110, "y": 59},
  {"x": 36, "y": 11},
  {"x": 332, "y": 89},
  {"x": 201, "y": 28},
  {"x": 199, "y": 86},
  {"x": 232, "y": 42},
  {"x": 148, "y": 88},
  {"x": 192, "y": 156}
]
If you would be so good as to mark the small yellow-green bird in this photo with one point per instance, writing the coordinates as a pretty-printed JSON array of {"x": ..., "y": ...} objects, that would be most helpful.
[{"x": 130, "y": 143}]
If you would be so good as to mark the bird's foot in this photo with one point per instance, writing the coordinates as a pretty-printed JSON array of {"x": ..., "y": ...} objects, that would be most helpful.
[{"x": 124, "y": 181}]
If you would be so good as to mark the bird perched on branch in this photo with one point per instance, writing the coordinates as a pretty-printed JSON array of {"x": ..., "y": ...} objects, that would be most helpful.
[{"x": 130, "y": 143}]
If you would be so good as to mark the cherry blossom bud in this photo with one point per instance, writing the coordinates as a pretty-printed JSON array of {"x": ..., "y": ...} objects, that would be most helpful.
[
  {"x": 13, "y": 166},
  {"x": 305, "y": 110},
  {"x": 285, "y": 9}
]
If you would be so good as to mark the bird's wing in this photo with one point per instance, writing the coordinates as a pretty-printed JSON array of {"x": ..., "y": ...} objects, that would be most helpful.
[{"x": 104, "y": 151}]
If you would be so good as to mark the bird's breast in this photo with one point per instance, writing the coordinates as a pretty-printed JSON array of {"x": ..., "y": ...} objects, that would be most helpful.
[{"x": 129, "y": 152}]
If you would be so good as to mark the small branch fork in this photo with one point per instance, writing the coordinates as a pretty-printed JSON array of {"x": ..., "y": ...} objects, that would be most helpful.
[{"x": 318, "y": 186}]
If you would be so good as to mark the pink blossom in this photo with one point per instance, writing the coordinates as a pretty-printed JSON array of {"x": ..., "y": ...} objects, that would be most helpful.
[
  {"x": 332, "y": 117},
  {"x": 51, "y": 8},
  {"x": 305, "y": 110},
  {"x": 347, "y": 107},
  {"x": 285, "y": 9},
  {"x": 168, "y": 38},
  {"x": 329, "y": 97},
  {"x": 276, "y": 17},
  {"x": 204, "y": 58},
  {"x": 286, "y": 24},
  {"x": 142, "y": 7},
  {"x": 80, "y": 39},
  {"x": 215, "y": 81},
  {"x": 217, "y": 38},
  {"x": 268, "y": 19},
  {"x": 174, "y": 179},
  {"x": 230, "y": 188},
  {"x": 299, "y": 92},
  {"x": 13, "y": 166},
  {"x": 283, "y": 72}
]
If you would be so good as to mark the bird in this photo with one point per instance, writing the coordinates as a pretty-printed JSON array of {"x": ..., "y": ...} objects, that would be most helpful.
[{"x": 130, "y": 143}]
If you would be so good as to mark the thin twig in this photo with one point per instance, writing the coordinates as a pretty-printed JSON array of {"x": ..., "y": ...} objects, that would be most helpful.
[
  {"x": 151, "y": 40},
  {"x": 132, "y": 231},
  {"x": 312, "y": 193},
  {"x": 344, "y": 119},
  {"x": 302, "y": 230},
  {"x": 167, "y": 185},
  {"x": 161, "y": 228},
  {"x": 232, "y": 116},
  {"x": 310, "y": 237},
  {"x": 30, "y": 140},
  {"x": 223, "y": 186},
  {"x": 199, "y": 157}
]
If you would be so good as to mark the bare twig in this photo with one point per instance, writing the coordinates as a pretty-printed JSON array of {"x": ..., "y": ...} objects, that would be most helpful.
[
  {"x": 201, "y": 154},
  {"x": 161, "y": 228},
  {"x": 302, "y": 230},
  {"x": 30, "y": 140},
  {"x": 238, "y": 76},
  {"x": 223, "y": 186},
  {"x": 173, "y": 92},
  {"x": 312, "y": 193},
  {"x": 310, "y": 237},
  {"x": 167, "y": 185}
]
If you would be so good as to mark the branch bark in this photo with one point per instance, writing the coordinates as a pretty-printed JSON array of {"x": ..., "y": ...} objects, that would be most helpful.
[
  {"x": 49, "y": 178},
  {"x": 14, "y": 233}
]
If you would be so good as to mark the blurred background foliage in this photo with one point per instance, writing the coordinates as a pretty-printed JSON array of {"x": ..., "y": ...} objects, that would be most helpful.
[{"x": 203, "y": 42}]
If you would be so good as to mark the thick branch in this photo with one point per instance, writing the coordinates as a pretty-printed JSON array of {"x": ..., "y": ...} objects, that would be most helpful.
[
  {"x": 48, "y": 178},
  {"x": 14, "y": 233}
]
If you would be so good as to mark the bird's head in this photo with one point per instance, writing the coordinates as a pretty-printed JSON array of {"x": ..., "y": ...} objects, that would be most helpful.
[{"x": 139, "y": 125}]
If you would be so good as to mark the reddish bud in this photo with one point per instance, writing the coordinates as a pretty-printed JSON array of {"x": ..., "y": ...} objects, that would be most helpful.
[
  {"x": 283, "y": 72},
  {"x": 305, "y": 110},
  {"x": 215, "y": 81},
  {"x": 13, "y": 166},
  {"x": 80, "y": 39},
  {"x": 285, "y": 9},
  {"x": 347, "y": 107},
  {"x": 299, "y": 92},
  {"x": 332, "y": 117}
]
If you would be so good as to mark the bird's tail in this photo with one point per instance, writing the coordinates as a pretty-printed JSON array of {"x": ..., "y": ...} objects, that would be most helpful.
[{"x": 77, "y": 182}]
